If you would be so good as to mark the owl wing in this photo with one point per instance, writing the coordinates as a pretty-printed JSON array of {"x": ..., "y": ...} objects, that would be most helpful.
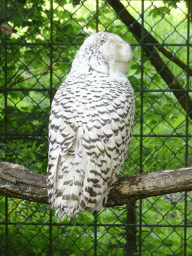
[
  {"x": 62, "y": 135},
  {"x": 106, "y": 142}
]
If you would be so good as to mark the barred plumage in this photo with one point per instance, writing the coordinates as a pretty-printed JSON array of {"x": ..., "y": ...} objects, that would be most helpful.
[{"x": 91, "y": 124}]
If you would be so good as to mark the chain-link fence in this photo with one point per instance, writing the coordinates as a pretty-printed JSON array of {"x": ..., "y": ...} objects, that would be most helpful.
[{"x": 38, "y": 42}]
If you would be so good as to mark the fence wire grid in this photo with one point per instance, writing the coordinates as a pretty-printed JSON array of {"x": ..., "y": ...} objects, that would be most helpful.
[{"x": 38, "y": 42}]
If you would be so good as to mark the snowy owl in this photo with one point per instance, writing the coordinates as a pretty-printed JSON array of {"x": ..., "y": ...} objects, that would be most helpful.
[{"x": 90, "y": 126}]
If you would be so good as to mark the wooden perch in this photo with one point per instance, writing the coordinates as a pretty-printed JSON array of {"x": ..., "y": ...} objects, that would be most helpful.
[{"x": 19, "y": 182}]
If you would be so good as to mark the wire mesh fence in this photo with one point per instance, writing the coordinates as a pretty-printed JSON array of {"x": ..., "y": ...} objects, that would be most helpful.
[{"x": 38, "y": 42}]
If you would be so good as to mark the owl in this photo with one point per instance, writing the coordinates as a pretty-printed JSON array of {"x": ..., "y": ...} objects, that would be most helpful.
[{"x": 90, "y": 126}]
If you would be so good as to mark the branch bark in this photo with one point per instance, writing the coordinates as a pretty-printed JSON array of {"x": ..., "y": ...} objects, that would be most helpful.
[
  {"x": 19, "y": 182},
  {"x": 143, "y": 36}
]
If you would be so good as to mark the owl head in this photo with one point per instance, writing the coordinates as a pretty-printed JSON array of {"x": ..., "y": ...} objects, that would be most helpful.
[{"x": 102, "y": 52}]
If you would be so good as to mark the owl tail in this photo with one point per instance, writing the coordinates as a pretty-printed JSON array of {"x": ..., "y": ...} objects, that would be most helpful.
[
  {"x": 79, "y": 187},
  {"x": 69, "y": 182}
]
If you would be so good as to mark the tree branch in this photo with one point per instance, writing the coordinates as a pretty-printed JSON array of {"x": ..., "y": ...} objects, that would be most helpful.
[
  {"x": 143, "y": 36},
  {"x": 19, "y": 182}
]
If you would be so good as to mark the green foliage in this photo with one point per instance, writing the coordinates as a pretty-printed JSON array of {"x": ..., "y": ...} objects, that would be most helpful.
[{"x": 33, "y": 63}]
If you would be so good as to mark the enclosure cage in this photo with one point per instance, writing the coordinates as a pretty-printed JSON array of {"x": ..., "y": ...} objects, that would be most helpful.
[{"x": 38, "y": 42}]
